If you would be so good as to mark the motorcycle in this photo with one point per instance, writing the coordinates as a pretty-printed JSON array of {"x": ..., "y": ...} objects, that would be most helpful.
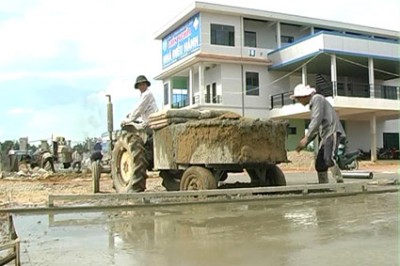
[{"x": 347, "y": 160}]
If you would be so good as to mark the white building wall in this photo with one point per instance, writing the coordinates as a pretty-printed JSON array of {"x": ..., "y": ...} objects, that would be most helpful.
[
  {"x": 212, "y": 74},
  {"x": 294, "y": 31},
  {"x": 359, "y": 133},
  {"x": 206, "y": 21},
  {"x": 231, "y": 85},
  {"x": 361, "y": 46},
  {"x": 391, "y": 126},
  {"x": 266, "y": 34}
]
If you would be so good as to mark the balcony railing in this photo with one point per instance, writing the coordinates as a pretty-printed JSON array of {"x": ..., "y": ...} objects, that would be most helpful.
[
  {"x": 217, "y": 99},
  {"x": 281, "y": 99},
  {"x": 212, "y": 99},
  {"x": 347, "y": 90},
  {"x": 180, "y": 100}
]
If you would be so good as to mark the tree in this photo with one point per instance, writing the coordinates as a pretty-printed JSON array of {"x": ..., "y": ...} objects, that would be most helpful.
[{"x": 7, "y": 145}]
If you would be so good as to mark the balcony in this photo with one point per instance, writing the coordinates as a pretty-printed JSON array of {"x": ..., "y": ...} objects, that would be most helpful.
[
  {"x": 352, "y": 101},
  {"x": 356, "y": 90}
]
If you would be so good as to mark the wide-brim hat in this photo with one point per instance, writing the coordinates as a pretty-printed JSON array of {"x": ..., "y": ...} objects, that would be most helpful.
[
  {"x": 141, "y": 79},
  {"x": 302, "y": 91}
]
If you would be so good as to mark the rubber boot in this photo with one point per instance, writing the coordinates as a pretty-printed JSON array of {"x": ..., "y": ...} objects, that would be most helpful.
[
  {"x": 323, "y": 177},
  {"x": 336, "y": 173}
]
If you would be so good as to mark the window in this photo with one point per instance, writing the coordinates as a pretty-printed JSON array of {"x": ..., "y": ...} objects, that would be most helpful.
[
  {"x": 252, "y": 84},
  {"x": 208, "y": 94},
  {"x": 250, "y": 39},
  {"x": 292, "y": 130},
  {"x": 166, "y": 93},
  {"x": 389, "y": 92},
  {"x": 287, "y": 39},
  {"x": 179, "y": 98},
  {"x": 222, "y": 35},
  {"x": 214, "y": 93},
  {"x": 211, "y": 94}
]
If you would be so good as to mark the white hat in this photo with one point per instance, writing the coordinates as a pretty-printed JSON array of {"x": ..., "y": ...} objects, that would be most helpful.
[{"x": 302, "y": 91}]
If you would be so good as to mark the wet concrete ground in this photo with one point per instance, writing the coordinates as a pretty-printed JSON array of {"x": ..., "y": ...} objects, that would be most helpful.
[{"x": 352, "y": 230}]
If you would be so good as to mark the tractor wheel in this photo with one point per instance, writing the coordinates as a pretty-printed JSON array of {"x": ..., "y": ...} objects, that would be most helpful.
[
  {"x": 275, "y": 176},
  {"x": 129, "y": 164},
  {"x": 197, "y": 178},
  {"x": 96, "y": 173},
  {"x": 171, "y": 179}
]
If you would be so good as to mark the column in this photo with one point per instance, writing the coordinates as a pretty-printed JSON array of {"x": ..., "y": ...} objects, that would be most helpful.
[
  {"x": 304, "y": 75},
  {"x": 373, "y": 138},
  {"x": 190, "y": 93},
  {"x": 371, "y": 78},
  {"x": 334, "y": 75},
  {"x": 278, "y": 34},
  {"x": 201, "y": 84}
]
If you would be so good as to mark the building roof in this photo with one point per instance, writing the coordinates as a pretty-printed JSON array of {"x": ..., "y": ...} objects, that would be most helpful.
[{"x": 197, "y": 7}]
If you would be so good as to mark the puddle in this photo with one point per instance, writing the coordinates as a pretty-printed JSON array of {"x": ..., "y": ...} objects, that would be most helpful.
[{"x": 356, "y": 230}]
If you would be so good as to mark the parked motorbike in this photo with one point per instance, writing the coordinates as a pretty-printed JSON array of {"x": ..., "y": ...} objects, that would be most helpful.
[{"x": 347, "y": 160}]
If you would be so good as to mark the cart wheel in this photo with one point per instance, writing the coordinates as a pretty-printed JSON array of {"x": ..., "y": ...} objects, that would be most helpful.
[
  {"x": 275, "y": 176},
  {"x": 96, "y": 172},
  {"x": 197, "y": 178},
  {"x": 129, "y": 164}
]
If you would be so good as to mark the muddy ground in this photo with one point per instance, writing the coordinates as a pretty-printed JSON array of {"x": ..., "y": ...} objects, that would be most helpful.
[{"x": 25, "y": 191}]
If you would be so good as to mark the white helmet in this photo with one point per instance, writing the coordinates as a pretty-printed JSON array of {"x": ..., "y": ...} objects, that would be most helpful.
[{"x": 302, "y": 90}]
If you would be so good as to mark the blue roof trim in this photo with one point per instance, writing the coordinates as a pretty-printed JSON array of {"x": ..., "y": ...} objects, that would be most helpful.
[{"x": 333, "y": 33}]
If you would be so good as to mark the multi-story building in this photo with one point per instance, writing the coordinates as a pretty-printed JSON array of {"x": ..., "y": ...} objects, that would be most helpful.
[{"x": 248, "y": 61}]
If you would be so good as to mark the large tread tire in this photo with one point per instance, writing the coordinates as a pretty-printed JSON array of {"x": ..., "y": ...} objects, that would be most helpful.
[
  {"x": 275, "y": 176},
  {"x": 198, "y": 178},
  {"x": 171, "y": 179},
  {"x": 128, "y": 166},
  {"x": 96, "y": 173}
]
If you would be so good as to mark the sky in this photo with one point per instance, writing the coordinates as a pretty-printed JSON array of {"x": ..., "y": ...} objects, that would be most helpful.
[{"x": 59, "y": 58}]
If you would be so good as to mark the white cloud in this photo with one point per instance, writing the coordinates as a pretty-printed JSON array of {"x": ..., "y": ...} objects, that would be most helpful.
[
  {"x": 73, "y": 122},
  {"x": 19, "y": 111},
  {"x": 118, "y": 89},
  {"x": 94, "y": 72},
  {"x": 107, "y": 33}
]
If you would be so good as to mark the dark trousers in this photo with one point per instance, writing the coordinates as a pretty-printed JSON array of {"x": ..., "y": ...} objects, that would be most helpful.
[{"x": 326, "y": 153}]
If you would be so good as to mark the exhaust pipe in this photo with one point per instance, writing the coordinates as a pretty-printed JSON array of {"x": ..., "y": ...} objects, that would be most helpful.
[
  {"x": 361, "y": 175},
  {"x": 110, "y": 120}
]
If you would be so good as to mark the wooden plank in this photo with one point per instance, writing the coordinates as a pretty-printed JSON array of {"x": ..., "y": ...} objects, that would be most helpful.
[
  {"x": 202, "y": 200},
  {"x": 8, "y": 245},
  {"x": 305, "y": 189},
  {"x": 7, "y": 259}
]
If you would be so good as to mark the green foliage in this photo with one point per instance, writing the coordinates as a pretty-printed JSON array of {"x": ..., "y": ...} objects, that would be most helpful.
[{"x": 7, "y": 145}]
